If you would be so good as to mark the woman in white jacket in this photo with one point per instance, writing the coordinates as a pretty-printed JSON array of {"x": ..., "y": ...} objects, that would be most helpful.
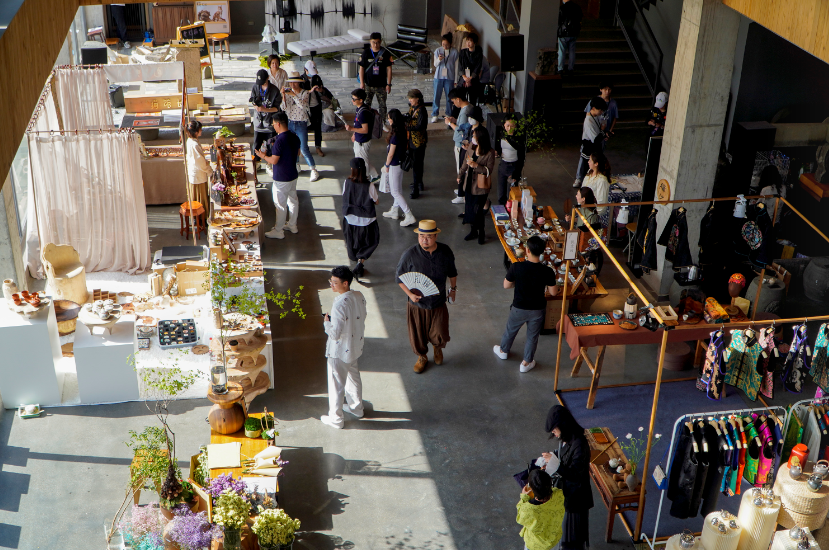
[{"x": 198, "y": 168}]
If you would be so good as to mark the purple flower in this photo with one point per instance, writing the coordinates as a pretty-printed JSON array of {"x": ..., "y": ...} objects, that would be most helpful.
[
  {"x": 192, "y": 531},
  {"x": 219, "y": 187},
  {"x": 223, "y": 482}
]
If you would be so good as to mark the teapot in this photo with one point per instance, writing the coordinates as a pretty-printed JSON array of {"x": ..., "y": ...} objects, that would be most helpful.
[
  {"x": 821, "y": 469},
  {"x": 814, "y": 483},
  {"x": 796, "y": 533},
  {"x": 795, "y": 471},
  {"x": 687, "y": 540}
]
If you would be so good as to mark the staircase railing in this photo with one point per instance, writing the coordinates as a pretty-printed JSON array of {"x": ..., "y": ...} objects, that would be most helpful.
[{"x": 640, "y": 56}]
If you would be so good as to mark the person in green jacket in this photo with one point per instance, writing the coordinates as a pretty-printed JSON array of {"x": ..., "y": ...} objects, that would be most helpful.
[{"x": 540, "y": 516}]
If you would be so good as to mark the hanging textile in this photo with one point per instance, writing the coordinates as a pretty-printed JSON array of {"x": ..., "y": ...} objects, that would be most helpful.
[
  {"x": 820, "y": 366},
  {"x": 755, "y": 446},
  {"x": 755, "y": 234},
  {"x": 741, "y": 364},
  {"x": 797, "y": 362},
  {"x": 718, "y": 457},
  {"x": 765, "y": 461},
  {"x": 688, "y": 472},
  {"x": 675, "y": 238},
  {"x": 709, "y": 238},
  {"x": 89, "y": 194},
  {"x": 812, "y": 434},
  {"x": 765, "y": 366},
  {"x": 794, "y": 432},
  {"x": 83, "y": 96},
  {"x": 647, "y": 241},
  {"x": 713, "y": 370}
]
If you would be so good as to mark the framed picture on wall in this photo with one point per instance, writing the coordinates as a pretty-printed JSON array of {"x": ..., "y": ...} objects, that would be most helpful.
[{"x": 215, "y": 14}]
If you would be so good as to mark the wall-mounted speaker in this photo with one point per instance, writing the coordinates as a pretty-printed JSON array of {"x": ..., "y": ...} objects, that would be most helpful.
[{"x": 512, "y": 52}]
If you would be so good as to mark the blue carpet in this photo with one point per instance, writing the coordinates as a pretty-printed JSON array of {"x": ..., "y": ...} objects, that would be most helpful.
[{"x": 623, "y": 410}]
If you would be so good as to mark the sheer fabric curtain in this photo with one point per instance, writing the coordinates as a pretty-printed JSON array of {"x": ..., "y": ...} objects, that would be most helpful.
[
  {"x": 89, "y": 194},
  {"x": 83, "y": 96}
]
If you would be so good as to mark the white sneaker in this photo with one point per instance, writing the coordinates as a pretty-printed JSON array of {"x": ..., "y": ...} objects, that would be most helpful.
[
  {"x": 347, "y": 409},
  {"x": 497, "y": 350},
  {"x": 127, "y": 45},
  {"x": 325, "y": 419},
  {"x": 408, "y": 220},
  {"x": 291, "y": 228},
  {"x": 434, "y": 119},
  {"x": 275, "y": 234},
  {"x": 456, "y": 191},
  {"x": 577, "y": 183},
  {"x": 458, "y": 200},
  {"x": 315, "y": 176},
  {"x": 394, "y": 213},
  {"x": 527, "y": 368}
]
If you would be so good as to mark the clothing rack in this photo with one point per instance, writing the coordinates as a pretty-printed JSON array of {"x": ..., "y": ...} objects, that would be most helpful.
[
  {"x": 658, "y": 382},
  {"x": 803, "y": 403},
  {"x": 652, "y": 542}
]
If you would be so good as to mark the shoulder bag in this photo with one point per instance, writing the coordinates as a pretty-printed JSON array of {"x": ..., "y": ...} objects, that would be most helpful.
[{"x": 484, "y": 180}]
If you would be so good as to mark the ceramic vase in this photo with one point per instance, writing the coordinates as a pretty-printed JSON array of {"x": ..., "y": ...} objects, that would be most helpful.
[
  {"x": 631, "y": 482},
  {"x": 232, "y": 539},
  {"x": 288, "y": 546},
  {"x": 9, "y": 288}
]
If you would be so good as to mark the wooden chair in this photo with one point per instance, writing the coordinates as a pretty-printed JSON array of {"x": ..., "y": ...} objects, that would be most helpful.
[
  {"x": 95, "y": 34},
  {"x": 198, "y": 215},
  {"x": 65, "y": 273},
  {"x": 223, "y": 42}
]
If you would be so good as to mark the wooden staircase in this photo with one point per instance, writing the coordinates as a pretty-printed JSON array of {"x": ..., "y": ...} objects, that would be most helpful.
[{"x": 603, "y": 54}]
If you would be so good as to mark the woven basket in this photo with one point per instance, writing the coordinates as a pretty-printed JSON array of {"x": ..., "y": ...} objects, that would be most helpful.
[
  {"x": 789, "y": 519},
  {"x": 758, "y": 523},
  {"x": 795, "y": 495},
  {"x": 673, "y": 543},
  {"x": 822, "y": 537},
  {"x": 713, "y": 539}
]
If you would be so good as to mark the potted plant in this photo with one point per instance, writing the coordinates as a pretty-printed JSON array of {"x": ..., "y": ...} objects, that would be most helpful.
[
  {"x": 231, "y": 511},
  {"x": 191, "y": 531},
  {"x": 535, "y": 132},
  {"x": 634, "y": 449},
  {"x": 222, "y": 135},
  {"x": 175, "y": 493},
  {"x": 275, "y": 529},
  {"x": 253, "y": 427}
]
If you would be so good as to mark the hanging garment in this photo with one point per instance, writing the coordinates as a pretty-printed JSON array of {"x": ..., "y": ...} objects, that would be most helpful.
[
  {"x": 718, "y": 458},
  {"x": 709, "y": 237},
  {"x": 733, "y": 480},
  {"x": 713, "y": 370},
  {"x": 701, "y": 482},
  {"x": 741, "y": 471},
  {"x": 765, "y": 366},
  {"x": 675, "y": 238},
  {"x": 797, "y": 362},
  {"x": 766, "y": 459},
  {"x": 741, "y": 365},
  {"x": 812, "y": 434},
  {"x": 647, "y": 241},
  {"x": 688, "y": 473},
  {"x": 794, "y": 432},
  {"x": 757, "y": 232},
  {"x": 755, "y": 446},
  {"x": 820, "y": 365},
  {"x": 730, "y": 452},
  {"x": 681, "y": 452}
]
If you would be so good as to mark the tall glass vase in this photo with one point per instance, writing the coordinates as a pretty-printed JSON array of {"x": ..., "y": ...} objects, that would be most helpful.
[{"x": 232, "y": 539}]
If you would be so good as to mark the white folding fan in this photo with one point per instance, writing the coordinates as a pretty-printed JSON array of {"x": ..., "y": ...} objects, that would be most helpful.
[{"x": 419, "y": 284}]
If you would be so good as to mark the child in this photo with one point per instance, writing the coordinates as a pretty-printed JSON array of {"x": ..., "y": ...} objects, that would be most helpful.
[{"x": 542, "y": 515}]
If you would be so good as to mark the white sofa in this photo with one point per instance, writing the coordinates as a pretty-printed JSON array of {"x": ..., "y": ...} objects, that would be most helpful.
[{"x": 354, "y": 39}]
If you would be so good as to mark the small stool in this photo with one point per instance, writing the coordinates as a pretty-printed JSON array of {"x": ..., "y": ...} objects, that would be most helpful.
[
  {"x": 631, "y": 229},
  {"x": 97, "y": 33},
  {"x": 113, "y": 41},
  {"x": 222, "y": 40},
  {"x": 184, "y": 218},
  {"x": 677, "y": 355}
]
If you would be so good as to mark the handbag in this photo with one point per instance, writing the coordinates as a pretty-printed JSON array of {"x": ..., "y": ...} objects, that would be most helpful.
[
  {"x": 484, "y": 181},
  {"x": 408, "y": 160}
]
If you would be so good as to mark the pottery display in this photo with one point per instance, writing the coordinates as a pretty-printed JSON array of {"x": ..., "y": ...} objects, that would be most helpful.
[{"x": 9, "y": 288}]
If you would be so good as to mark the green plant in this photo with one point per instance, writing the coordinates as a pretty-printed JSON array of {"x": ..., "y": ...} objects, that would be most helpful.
[
  {"x": 150, "y": 449},
  {"x": 635, "y": 447},
  {"x": 224, "y": 132},
  {"x": 274, "y": 526},
  {"x": 202, "y": 473},
  {"x": 252, "y": 424},
  {"x": 535, "y": 131}
]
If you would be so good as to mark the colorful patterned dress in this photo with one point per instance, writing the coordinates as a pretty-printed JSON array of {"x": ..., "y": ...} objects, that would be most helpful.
[
  {"x": 797, "y": 362},
  {"x": 753, "y": 453},
  {"x": 741, "y": 366},
  {"x": 713, "y": 370},
  {"x": 765, "y": 366},
  {"x": 820, "y": 364}
]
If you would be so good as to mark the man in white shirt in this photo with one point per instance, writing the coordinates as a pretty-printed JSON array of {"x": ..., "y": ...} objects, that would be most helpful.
[{"x": 345, "y": 326}]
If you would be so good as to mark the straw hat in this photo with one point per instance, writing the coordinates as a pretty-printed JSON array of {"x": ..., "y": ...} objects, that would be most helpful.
[
  {"x": 427, "y": 227},
  {"x": 293, "y": 76}
]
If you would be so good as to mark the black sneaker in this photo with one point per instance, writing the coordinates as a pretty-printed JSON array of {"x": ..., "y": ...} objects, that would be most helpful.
[{"x": 358, "y": 270}]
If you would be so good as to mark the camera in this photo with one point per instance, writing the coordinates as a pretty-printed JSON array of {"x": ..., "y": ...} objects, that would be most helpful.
[{"x": 257, "y": 101}]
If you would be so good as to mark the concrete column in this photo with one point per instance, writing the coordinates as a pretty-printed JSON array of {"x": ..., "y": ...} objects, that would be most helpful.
[
  {"x": 11, "y": 257},
  {"x": 538, "y": 24},
  {"x": 696, "y": 115}
]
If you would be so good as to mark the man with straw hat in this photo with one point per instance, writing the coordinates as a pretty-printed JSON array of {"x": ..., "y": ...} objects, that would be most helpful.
[{"x": 422, "y": 273}]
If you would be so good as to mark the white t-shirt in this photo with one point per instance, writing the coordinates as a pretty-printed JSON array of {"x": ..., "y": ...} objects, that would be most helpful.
[
  {"x": 508, "y": 152},
  {"x": 600, "y": 187}
]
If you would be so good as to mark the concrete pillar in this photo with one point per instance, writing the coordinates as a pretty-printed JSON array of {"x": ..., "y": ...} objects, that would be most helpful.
[
  {"x": 538, "y": 24},
  {"x": 11, "y": 251},
  {"x": 696, "y": 115}
]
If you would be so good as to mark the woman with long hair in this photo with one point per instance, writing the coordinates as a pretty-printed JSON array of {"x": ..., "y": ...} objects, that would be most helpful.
[
  {"x": 416, "y": 122},
  {"x": 511, "y": 148},
  {"x": 585, "y": 196},
  {"x": 477, "y": 172},
  {"x": 362, "y": 233},
  {"x": 198, "y": 168},
  {"x": 395, "y": 151},
  {"x": 598, "y": 178},
  {"x": 572, "y": 476},
  {"x": 316, "y": 103}
]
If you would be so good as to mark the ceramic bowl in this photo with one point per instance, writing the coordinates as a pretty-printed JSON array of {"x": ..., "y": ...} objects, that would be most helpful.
[
  {"x": 98, "y": 303},
  {"x": 88, "y": 307},
  {"x": 618, "y": 313}
]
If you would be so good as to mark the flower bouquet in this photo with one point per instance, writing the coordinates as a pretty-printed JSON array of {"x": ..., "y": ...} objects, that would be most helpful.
[
  {"x": 191, "y": 531},
  {"x": 231, "y": 511},
  {"x": 144, "y": 528},
  {"x": 225, "y": 482},
  {"x": 635, "y": 447},
  {"x": 275, "y": 528}
]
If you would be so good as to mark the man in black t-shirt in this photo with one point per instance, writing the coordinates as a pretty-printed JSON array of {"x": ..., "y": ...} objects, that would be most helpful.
[
  {"x": 530, "y": 279},
  {"x": 375, "y": 73}
]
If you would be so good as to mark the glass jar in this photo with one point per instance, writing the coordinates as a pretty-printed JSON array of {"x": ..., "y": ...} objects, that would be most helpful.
[{"x": 232, "y": 539}]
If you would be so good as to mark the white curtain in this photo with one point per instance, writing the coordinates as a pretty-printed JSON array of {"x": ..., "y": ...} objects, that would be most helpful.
[
  {"x": 89, "y": 194},
  {"x": 145, "y": 72},
  {"x": 83, "y": 96}
]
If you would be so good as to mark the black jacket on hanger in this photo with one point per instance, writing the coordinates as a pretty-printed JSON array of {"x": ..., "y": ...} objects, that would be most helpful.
[
  {"x": 675, "y": 238},
  {"x": 688, "y": 474},
  {"x": 718, "y": 458},
  {"x": 647, "y": 241},
  {"x": 709, "y": 238}
]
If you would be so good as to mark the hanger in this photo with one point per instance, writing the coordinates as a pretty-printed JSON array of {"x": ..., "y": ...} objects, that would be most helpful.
[
  {"x": 681, "y": 209},
  {"x": 715, "y": 426},
  {"x": 690, "y": 426},
  {"x": 737, "y": 440}
]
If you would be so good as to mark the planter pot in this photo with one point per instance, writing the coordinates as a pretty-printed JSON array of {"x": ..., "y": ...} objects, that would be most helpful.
[
  {"x": 169, "y": 515},
  {"x": 253, "y": 434},
  {"x": 288, "y": 546},
  {"x": 631, "y": 482},
  {"x": 816, "y": 279},
  {"x": 232, "y": 539}
]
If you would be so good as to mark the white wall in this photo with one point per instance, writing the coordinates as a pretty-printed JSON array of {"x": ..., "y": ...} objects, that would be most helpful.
[{"x": 486, "y": 26}]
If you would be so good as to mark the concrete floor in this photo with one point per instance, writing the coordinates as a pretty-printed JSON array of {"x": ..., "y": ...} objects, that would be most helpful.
[{"x": 429, "y": 467}]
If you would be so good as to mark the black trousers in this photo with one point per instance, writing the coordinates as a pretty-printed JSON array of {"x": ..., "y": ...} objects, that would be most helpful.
[
  {"x": 361, "y": 241},
  {"x": 119, "y": 14},
  {"x": 316, "y": 124},
  {"x": 505, "y": 170},
  {"x": 417, "y": 165}
]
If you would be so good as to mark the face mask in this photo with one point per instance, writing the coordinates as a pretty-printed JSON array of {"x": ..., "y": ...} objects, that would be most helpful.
[{"x": 472, "y": 121}]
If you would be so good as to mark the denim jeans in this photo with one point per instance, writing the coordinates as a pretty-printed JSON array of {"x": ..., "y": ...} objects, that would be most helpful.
[
  {"x": 567, "y": 44},
  {"x": 442, "y": 85},
  {"x": 300, "y": 128},
  {"x": 517, "y": 317}
]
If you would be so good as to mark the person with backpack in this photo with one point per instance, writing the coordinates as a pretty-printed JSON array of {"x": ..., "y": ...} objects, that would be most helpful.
[
  {"x": 592, "y": 136},
  {"x": 375, "y": 73},
  {"x": 364, "y": 121},
  {"x": 569, "y": 25}
]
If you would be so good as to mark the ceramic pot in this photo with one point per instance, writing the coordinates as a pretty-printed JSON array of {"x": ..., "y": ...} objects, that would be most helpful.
[
  {"x": 631, "y": 482},
  {"x": 9, "y": 288},
  {"x": 253, "y": 434},
  {"x": 232, "y": 539},
  {"x": 16, "y": 299},
  {"x": 234, "y": 345}
]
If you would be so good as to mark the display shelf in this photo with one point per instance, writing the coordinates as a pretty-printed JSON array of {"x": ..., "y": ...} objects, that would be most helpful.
[{"x": 101, "y": 361}]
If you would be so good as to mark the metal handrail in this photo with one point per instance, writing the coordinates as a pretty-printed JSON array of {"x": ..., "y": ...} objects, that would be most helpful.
[{"x": 652, "y": 86}]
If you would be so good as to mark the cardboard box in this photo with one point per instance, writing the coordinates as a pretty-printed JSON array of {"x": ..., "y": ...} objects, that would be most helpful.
[{"x": 192, "y": 277}]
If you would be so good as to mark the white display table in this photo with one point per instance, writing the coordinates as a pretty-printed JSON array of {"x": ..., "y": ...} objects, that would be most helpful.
[
  {"x": 30, "y": 347},
  {"x": 101, "y": 362}
]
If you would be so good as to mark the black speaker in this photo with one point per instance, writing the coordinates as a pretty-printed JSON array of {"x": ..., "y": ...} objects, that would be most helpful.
[
  {"x": 512, "y": 52},
  {"x": 93, "y": 53}
]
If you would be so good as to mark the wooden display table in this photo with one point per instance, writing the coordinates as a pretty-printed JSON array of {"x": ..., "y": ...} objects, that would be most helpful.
[
  {"x": 250, "y": 447},
  {"x": 616, "y": 499}
]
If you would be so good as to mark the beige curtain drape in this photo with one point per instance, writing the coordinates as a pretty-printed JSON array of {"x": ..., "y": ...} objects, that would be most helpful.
[{"x": 83, "y": 97}]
